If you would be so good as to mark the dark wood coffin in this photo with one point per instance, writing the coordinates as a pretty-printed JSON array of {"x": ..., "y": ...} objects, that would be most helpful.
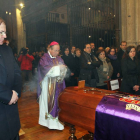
[{"x": 77, "y": 106}]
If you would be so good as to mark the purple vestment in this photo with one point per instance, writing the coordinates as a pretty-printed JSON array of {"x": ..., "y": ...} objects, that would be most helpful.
[{"x": 45, "y": 64}]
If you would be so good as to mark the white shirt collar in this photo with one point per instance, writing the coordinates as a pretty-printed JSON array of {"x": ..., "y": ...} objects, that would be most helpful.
[{"x": 50, "y": 55}]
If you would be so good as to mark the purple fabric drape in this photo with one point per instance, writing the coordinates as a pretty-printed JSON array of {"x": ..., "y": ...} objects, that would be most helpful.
[{"x": 114, "y": 122}]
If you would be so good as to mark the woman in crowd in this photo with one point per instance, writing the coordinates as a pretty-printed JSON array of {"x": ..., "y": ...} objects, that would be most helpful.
[
  {"x": 77, "y": 61},
  {"x": 105, "y": 70},
  {"x": 70, "y": 63},
  {"x": 130, "y": 71},
  {"x": 115, "y": 63}
]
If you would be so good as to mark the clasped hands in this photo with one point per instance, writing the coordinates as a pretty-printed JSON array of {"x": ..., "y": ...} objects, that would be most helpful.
[{"x": 14, "y": 98}]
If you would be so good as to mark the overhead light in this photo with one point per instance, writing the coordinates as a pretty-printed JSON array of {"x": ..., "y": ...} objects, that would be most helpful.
[
  {"x": 89, "y": 8},
  {"x": 6, "y": 12},
  {"x": 21, "y": 5},
  {"x": 9, "y": 13},
  {"x": 89, "y": 36}
]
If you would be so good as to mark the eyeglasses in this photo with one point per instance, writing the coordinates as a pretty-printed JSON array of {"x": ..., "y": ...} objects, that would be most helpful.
[{"x": 2, "y": 33}]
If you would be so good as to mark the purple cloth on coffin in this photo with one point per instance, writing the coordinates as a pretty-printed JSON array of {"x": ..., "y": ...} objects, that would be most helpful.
[
  {"x": 114, "y": 122},
  {"x": 45, "y": 64}
]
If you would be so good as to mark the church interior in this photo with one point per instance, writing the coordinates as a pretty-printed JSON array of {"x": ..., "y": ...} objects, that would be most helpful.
[{"x": 36, "y": 23}]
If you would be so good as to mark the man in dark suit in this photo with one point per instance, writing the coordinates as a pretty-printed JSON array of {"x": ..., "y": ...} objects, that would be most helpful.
[
  {"x": 121, "y": 50},
  {"x": 73, "y": 48},
  {"x": 121, "y": 53},
  {"x": 93, "y": 48},
  {"x": 10, "y": 90}
]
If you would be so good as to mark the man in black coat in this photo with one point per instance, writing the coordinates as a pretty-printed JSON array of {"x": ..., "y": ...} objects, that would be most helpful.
[
  {"x": 121, "y": 50},
  {"x": 88, "y": 65},
  {"x": 10, "y": 90},
  {"x": 93, "y": 49},
  {"x": 73, "y": 48},
  {"x": 121, "y": 53}
]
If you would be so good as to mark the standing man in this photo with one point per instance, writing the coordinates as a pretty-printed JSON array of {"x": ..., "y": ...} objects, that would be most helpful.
[
  {"x": 88, "y": 65},
  {"x": 93, "y": 48},
  {"x": 10, "y": 90},
  {"x": 120, "y": 54},
  {"x": 51, "y": 72},
  {"x": 121, "y": 50},
  {"x": 73, "y": 48}
]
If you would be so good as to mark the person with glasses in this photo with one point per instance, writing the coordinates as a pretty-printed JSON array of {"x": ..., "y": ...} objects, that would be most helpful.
[
  {"x": 10, "y": 90},
  {"x": 114, "y": 62},
  {"x": 51, "y": 73}
]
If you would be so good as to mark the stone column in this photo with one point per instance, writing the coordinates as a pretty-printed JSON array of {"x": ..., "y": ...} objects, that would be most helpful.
[
  {"x": 21, "y": 31},
  {"x": 138, "y": 21},
  {"x": 130, "y": 19},
  {"x": 123, "y": 20},
  {"x": 117, "y": 30},
  {"x": 131, "y": 23}
]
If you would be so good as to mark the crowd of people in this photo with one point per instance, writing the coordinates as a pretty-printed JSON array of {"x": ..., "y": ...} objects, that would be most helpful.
[{"x": 94, "y": 65}]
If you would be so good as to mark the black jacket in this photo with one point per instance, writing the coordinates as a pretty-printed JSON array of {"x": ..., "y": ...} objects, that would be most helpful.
[
  {"x": 116, "y": 67},
  {"x": 10, "y": 79},
  {"x": 70, "y": 62},
  {"x": 130, "y": 71},
  {"x": 77, "y": 66},
  {"x": 119, "y": 56},
  {"x": 87, "y": 70}
]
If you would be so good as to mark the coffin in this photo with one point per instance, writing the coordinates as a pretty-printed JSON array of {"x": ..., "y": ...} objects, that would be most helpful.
[{"x": 77, "y": 106}]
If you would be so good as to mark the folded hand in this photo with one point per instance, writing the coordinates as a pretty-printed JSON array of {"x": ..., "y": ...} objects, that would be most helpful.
[{"x": 14, "y": 98}]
